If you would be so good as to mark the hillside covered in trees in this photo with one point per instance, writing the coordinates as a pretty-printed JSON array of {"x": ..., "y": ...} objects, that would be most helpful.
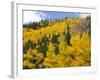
[{"x": 58, "y": 43}]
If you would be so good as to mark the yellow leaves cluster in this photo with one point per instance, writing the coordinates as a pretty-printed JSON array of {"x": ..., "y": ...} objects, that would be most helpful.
[
  {"x": 31, "y": 55},
  {"x": 50, "y": 48},
  {"x": 36, "y": 35},
  {"x": 53, "y": 61},
  {"x": 80, "y": 50},
  {"x": 78, "y": 54},
  {"x": 27, "y": 64}
]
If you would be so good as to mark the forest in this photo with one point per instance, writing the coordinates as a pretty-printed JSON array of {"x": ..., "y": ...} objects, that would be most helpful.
[{"x": 57, "y": 43}]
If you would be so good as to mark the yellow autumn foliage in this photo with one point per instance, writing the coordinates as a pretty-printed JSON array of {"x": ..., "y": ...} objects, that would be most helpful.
[{"x": 77, "y": 54}]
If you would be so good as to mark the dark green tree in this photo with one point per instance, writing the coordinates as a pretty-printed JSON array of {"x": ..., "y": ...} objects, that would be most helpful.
[{"x": 68, "y": 36}]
